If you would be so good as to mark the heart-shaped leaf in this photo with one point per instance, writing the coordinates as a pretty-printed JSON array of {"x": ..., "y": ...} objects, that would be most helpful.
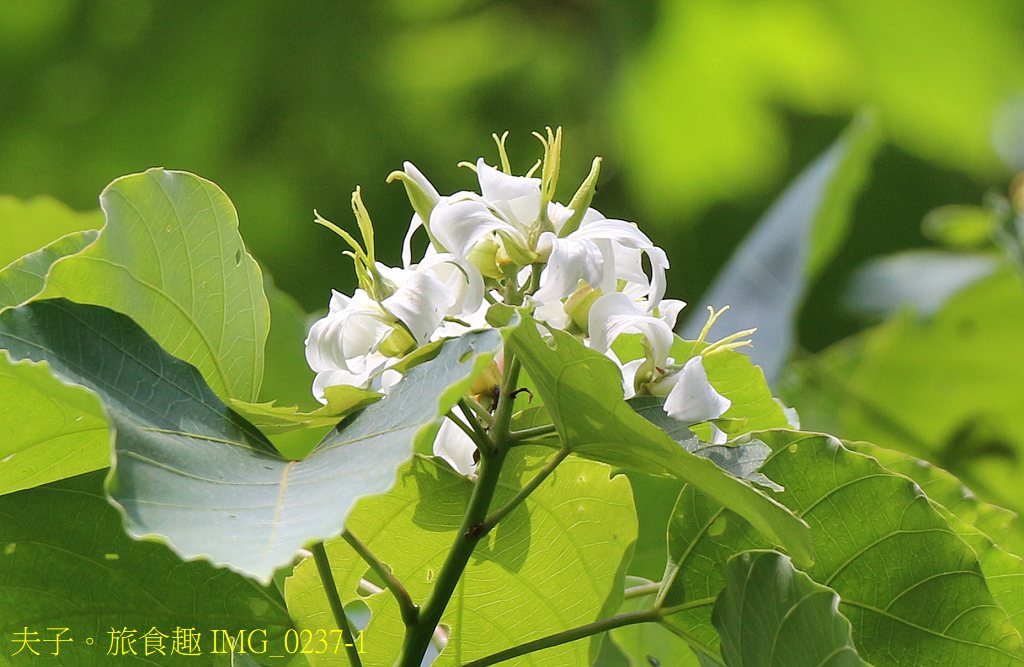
[
  {"x": 550, "y": 565},
  {"x": 192, "y": 472},
  {"x": 170, "y": 257},
  {"x": 913, "y": 590}
]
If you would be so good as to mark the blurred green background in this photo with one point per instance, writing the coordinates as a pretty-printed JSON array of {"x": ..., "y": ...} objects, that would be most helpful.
[{"x": 703, "y": 110}]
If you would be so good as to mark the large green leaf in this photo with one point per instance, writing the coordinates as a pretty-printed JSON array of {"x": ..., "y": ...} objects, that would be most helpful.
[
  {"x": 992, "y": 532},
  {"x": 949, "y": 389},
  {"x": 65, "y": 562},
  {"x": 912, "y": 588},
  {"x": 192, "y": 472},
  {"x": 51, "y": 430},
  {"x": 171, "y": 258},
  {"x": 771, "y": 615},
  {"x": 29, "y": 225},
  {"x": 25, "y": 277},
  {"x": 551, "y": 565},
  {"x": 769, "y": 274},
  {"x": 582, "y": 391}
]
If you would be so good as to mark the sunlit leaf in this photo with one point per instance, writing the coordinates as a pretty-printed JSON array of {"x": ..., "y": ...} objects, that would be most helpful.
[
  {"x": 869, "y": 525},
  {"x": 550, "y": 565},
  {"x": 582, "y": 391},
  {"x": 995, "y": 534},
  {"x": 171, "y": 258},
  {"x": 25, "y": 277},
  {"x": 52, "y": 430}
]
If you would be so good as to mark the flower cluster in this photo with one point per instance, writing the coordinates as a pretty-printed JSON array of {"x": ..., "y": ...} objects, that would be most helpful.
[{"x": 511, "y": 244}]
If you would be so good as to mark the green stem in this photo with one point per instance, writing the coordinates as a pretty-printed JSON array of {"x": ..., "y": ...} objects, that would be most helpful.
[
  {"x": 410, "y": 611},
  {"x": 417, "y": 637},
  {"x": 500, "y": 429},
  {"x": 481, "y": 439},
  {"x": 527, "y": 489},
  {"x": 474, "y": 405},
  {"x": 559, "y": 638},
  {"x": 323, "y": 566},
  {"x": 641, "y": 590},
  {"x": 535, "y": 432}
]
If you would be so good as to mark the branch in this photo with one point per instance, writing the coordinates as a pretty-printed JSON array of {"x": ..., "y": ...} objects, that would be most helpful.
[
  {"x": 417, "y": 637},
  {"x": 323, "y": 566},
  {"x": 641, "y": 590},
  {"x": 527, "y": 489},
  {"x": 535, "y": 432},
  {"x": 559, "y": 638},
  {"x": 410, "y": 612}
]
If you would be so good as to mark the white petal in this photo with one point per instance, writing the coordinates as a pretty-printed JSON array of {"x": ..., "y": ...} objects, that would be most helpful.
[
  {"x": 459, "y": 223},
  {"x": 455, "y": 447},
  {"x": 517, "y": 197},
  {"x": 462, "y": 277},
  {"x": 615, "y": 314},
  {"x": 421, "y": 303},
  {"x": 571, "y": 261},
  {"x": 414, "y": 224},
  {"x": 416, "y": 175},
  {"x": 693, "y": 400},
  {"x": 668, "y": 311},
  {"x": 353, "y": 328}
]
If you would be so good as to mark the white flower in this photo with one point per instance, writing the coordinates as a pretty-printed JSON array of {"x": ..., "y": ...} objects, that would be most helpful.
[
  {"x": 354, "y": 327},
  {"x": 614, "y": 314},
  {"x": 343, "y": 346},
  {"x": 689, "y": 397}
]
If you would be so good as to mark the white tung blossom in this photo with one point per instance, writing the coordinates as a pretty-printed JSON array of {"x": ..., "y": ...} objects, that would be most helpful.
[{"x": 510, "y": 230}]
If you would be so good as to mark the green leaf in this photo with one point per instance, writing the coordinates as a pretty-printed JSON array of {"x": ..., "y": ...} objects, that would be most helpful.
[
  {"x": 771, "y": 614},
  {"x": 949, "y": 389},
  {"x": 171, "y": 258},
  {"x": 769, "y": 274},
  {"x": 1002, "y": 526},
  {"x": 192, "y": 472},
  {"x": 65, "y": 562},
  {"x": 551, "y": 565},
  {"x": 270, "y": 418},
  {"x": 25, "y": 277},
  {"x": 52, "y": 430},
  {"x": 30, "y": 225},
  {"x": 742, "y": 460},
  {"x": 870, "y": 528},
  {"x": 582, "y": 391},
  {"x": 991, "y": 531}
]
